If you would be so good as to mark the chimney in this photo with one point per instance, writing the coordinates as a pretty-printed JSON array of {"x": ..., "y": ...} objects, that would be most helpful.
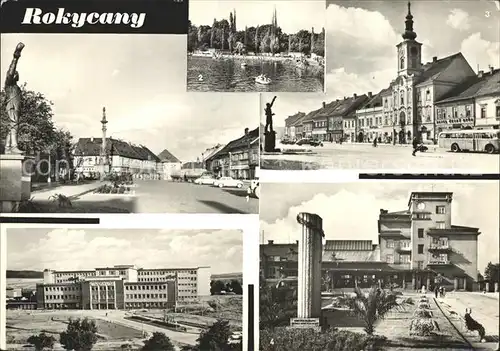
[
  {"x": 434, "y": 59},
  {"x": 270, "y": 242},
  {"x": 246, "y": 131},
  {"x": 355, "y": 95},
  {"x": 92, "y": 139},
  {"x": 480, "y": 74},
  {"x": 297, "y": 242},
  {"x": 345, "y": 98},
  {"x": 324, "y": 104},
  {"x": 370, "y": 94},
  {"x": 492, "y": 69},
  {"x": 337, "y": 100}
]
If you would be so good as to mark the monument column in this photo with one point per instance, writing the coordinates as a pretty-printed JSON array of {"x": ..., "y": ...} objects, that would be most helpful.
[
  {"x": 103, "y": 144},
  {"x": 309, "y": 270}
]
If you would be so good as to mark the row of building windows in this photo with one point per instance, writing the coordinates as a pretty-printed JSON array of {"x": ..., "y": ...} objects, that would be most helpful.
[
  {"x": 103, "y": 296},
  {"x": 146, "y": 296},
  {"x": 146, "y": 304},
  {"x": 62, "y": 288},
  {"x": 102, "y": 287},
  {"x": 165, "y": 272},
  {"x": 62, "y": 297},
  {"x": 145, "y": 287},
  {"x": 157, "y": 279},
  {"x": 189, "y": 291}
]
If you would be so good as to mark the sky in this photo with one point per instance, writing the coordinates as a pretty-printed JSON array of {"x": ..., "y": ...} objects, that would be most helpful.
[
  {"x": 74, "y": 249},
  {"x": 140, "y": 79},
  {"x": 361, "y": 38},
  {"x": 350, "y": 210},
  {"x": 292, "y": 16}
]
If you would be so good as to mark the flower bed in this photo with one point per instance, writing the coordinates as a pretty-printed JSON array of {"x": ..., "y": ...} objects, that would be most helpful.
[
  {"x": 114, "y": 189},
  {"x": 423, "y": 323}
]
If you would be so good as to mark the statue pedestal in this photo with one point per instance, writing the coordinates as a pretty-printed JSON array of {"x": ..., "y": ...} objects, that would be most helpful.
[
  {"x": 270, "y": 141},
  {"x": 15, "y": 181}
]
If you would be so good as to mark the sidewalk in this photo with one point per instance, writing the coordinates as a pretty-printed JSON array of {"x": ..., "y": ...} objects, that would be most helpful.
[{"x": 66, "y": 190}]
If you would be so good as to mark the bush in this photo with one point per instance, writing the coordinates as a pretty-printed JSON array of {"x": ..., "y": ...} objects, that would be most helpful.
[
  {"x": 121, "y": 190},
  {"x": 158, "y": 342},
  {"x": 103, "y": 189},
  {"x": 42, "y": 341},
  {"x": 422, "y": 327},
  {"x": 287, "y": 339},
  {"x": 422, "y": 313},
  {"x": 424, "y": 306},
  {"x": 79, "y": 335}
]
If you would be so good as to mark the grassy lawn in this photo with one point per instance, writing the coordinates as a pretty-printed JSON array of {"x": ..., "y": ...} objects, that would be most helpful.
[
  {"x": 229, "y": 308},
  {"x": 23, "y": 324},
  {"x": 288, "y": 165},
  {"x": 116, "y": 332}
]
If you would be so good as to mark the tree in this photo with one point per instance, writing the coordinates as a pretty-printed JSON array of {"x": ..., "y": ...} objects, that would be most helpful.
[
  {"x": 236, "y": 287},
  {"x": 256, "y": 39},
  {"x": 80, "y": 335},
  {"x": 216, "y": 337},
  {"x": 277, "y": 305},
  {"x": 372, "y": 306},
  {"x": 35, "y": 127},
  {"x": 158, "y": 342},
  {"x": 216, "y": 286},
  {"x": 42, "y": 341},
  {"x": 492, "y": 272}
]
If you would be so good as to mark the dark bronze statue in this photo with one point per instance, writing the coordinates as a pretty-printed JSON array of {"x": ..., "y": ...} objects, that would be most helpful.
[
  {"x": 13, "y": 96},
  {"x": 269, "y": 116}
]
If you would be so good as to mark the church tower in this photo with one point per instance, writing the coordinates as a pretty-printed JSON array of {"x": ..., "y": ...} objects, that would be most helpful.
[{"x": 409, "y": 50}]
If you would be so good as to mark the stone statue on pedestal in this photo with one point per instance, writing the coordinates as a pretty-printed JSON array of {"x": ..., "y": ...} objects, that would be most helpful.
[{"x": 13, "y": 97}]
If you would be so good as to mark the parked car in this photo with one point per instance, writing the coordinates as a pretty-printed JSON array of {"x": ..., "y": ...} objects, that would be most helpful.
[
  {"x": 205, "y": 180},
  {"x": 228, "y": 182},
  {"x": 287, "y": 141},
  {"x": 309, "y": 141}
]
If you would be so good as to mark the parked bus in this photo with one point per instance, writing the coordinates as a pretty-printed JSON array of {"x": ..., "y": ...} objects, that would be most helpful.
[{"x": 482, "y": 140}]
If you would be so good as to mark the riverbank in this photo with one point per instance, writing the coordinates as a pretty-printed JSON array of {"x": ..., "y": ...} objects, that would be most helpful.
[{"x": 256, "y": 58}]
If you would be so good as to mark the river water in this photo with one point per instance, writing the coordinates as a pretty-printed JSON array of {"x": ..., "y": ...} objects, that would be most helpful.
[{"x": 228, "y": 75}]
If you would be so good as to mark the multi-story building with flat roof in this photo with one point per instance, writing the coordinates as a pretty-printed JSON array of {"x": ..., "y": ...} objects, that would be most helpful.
[
  {"x": 122, "y": 287},
  {"x": 418, "y": 246}
]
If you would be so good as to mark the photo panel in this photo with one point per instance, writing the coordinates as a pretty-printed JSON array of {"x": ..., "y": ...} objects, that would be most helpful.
[
  {"x": 256, "y": 46},
  {"x": 398, "y": 96},
  {"x": 128, "y": 138},
  {"x": 387, "y": 264},
  {"x": 133, "y": 285}
]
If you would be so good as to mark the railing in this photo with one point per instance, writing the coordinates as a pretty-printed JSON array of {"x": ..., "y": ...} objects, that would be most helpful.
[
  {"x": 439, "y": 262},
  {"x": 443, "y": 246}
]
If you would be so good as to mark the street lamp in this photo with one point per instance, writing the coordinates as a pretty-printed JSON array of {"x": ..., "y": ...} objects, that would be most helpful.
[{"x": 230, "y": 164}]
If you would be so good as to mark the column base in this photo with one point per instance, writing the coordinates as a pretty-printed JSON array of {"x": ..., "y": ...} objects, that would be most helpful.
[{"x": 306, "y": 323}]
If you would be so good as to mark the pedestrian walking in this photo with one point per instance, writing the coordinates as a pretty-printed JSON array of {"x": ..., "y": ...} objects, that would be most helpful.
[
  {"x": 415, "y": 146},
  {"x": 436, "y": 291},
  {"x": 375, "y": 142}
]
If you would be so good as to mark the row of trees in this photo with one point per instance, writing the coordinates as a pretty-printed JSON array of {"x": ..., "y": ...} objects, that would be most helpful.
[
  {"x": 36, "y": 132},
  {"x": 217, "y": 287},
  {"x": 268, "y": 38},
  {"x": 81, "y": 335}
]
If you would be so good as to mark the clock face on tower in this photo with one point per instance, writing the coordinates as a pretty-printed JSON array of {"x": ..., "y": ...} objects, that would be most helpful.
[{"x": 421, "y": 206}]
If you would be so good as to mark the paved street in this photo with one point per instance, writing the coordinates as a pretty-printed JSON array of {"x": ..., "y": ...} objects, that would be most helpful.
[
  {"x": 179, "y": 197},
  {"x": 484, "y": 310},
  {"x": 365, "y": 156},
  {"x": 151, "y": 196}
]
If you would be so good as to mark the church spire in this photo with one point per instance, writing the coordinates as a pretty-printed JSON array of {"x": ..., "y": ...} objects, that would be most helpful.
[{"x": 409, "y": 34}]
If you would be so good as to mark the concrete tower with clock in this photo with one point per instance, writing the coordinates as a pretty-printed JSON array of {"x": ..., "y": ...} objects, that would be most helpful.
[{"x": 409, "y": 50}]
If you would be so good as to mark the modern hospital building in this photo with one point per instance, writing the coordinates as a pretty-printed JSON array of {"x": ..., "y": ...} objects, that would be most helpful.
[{"x": 122, "y": 287}]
